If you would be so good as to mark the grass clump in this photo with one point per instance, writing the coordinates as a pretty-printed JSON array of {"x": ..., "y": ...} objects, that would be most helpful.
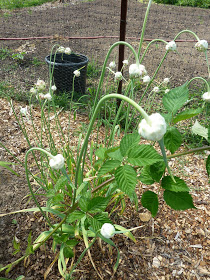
[{"x": 15, "y": 4}]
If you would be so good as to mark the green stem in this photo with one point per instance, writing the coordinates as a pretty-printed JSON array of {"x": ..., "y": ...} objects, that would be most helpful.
[
  {"x": 187, "y": 31},
  {"x": 200, "y": 78},
  {"x": 144, "y": 27},
  {"x": 196, "y": 150},
  {"x": 84, "y": 147},
  {"x": 152, "y": 42},
  {"x": 161, "y": 143}
]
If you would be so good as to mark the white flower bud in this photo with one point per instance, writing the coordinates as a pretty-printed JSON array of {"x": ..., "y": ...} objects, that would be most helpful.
[
  {"x": 48, "y": 96},
  {"x": 33, "y": 90},
  {"x": 53, "y": 88},
  {"x": 166, "y": 81},
  {"x": 118, "y": 76},
  {"x": 61, "y": 49},
  {"x": 201, "y": 45},
  {"x": 67, "y": 51},
  {"x": 77, "y": 73},
  {"x": 171, "y": 46},
  {"x": 146, "y": 79},
  {"x": 40, "y": 85},
  {"x": 107, "y": 230},
  {"x": 137, "y": 70},
  {"x": 112, "y": 65},
  {"x": 167, "y": 90},
  {"x": 57, "y": 162},
  {"x": 206, "y": 96},
  {"x": 155, "y": 129},
  {"x": 125, "y": 62},
  {"x": 156, "y": 89},
  {"x": 40, "y": 95},
  {"x": 24, "y": 111}
]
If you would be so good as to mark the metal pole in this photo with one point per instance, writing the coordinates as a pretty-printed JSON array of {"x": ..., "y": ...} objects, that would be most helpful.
[{"x": 123, "y": 17}]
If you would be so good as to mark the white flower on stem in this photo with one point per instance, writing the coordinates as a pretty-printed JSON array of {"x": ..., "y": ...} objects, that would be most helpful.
[
  {"x": 112, "y": 65},
  {"x": 206, "y": 96},
  {"x": 167, "y": 90},
  {"x": 118, "y": 76},
  {"x": 125, "y": 62},
  {"x": 156, "y": 89},
  {"x": 48, "y": 96},
  {"x": 61, "y": 49},
  {"x": 41, "y": 96},
  {"x": 57, "y": 162},
  {"x": 153, "y": 129},
  {"x": 40, "y": 84},
  {"x": 137, "y": 70},
  {"x": 53, "y": 88},
  {"x": 201, "y": 45},
  {"x": 171, "y": 46},
  {"x": 108, "y": 230},
  {"x": 146, "y": 79},
  {"x": 33, "y": 90},
  {"x": 67, "y": 51},
  {"x": 166, "y": 81},
  {"x": 24, "y": 111},
  {"x": 77, "y": 73}
]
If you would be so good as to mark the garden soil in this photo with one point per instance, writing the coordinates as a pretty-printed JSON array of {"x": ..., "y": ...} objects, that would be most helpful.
[{"x": 173, "y": 245}]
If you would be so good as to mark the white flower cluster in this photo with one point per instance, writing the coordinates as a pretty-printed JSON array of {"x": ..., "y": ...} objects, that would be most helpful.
[
  {"x": 154, "y": 129},
  {"x": 137, "y": 71},
  {"x": 64, "y": 50},
  {"x": 201, "y": 45},
  {"x": 206, "y": 96},
  {"x": 108, "y": 230},
  {"x": 38, "y": 89},
  {"x": 57, "y": 162},
  {"x": 171, "y": 46},
  {"x": 76, "y": 73}
]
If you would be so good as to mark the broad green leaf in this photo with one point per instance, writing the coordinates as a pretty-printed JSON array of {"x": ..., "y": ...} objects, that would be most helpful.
[
  {"x": 100, "y": 153},
  {"x": 149, "y": 200},
  {"x": 98, "y": 220},
  {"x": 128, "y": 141},
  {"x": 76, "y": 215},
  {"x": 167, "y": 117},
  {"x": 157, "y": 170},
  {"x": 114, "y": 153},
  {"x": 126, "y": 179},
  {"x": 61, "y": 182},
  {"x": 178, "y": 200},
  {"x": 145, "y": 176},
  {"x": 98, "y": 204},
  {"x": 108, "y": 166},
  {"x": 180, "y": 185},
  {"x": 187, "y": 114},
  {"x": 68, "y": 252},
  {"x": 200, "y": 130},
  {"x": 83, "y": 203},
  {"x": 208, "y": 165},
  {"x": 143, "y": 155},
  {"x": 175, "y": 99},
  {"x": 172, "y": 139}
]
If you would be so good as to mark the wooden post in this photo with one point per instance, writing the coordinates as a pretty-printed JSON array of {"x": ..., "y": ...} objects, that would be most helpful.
[{"x": 123, "y": 17}]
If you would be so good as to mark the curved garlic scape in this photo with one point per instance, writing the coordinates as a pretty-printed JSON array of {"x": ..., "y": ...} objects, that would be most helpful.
[{"x": 154, "y": 129}]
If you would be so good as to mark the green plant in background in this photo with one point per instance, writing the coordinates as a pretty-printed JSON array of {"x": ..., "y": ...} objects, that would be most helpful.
[
  {"x": 81, "y": 183},
  {"x": 4, "y": 53},
  {"x": 193, "y": 3},
  {"x": 14, "y": 4}
]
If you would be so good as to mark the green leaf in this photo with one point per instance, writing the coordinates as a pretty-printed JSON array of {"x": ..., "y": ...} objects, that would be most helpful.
[
  {"x": 98, "y": 204},
  {"x": 143, "y": 155},
  {"x": 83, "y": 203},
  {"x": 176, "y": 98},
  {"x": 68, "y": 252},
  {"x": 200, "y": 130},
  {"x": 149, "y": 200},
  {"x": 157, "y": 170},
  {"x": 6, "y": 165},
  {"x": 178, "y": 200},
  {"x": 108, "y": 166},
  {"x": 180, "y": 185},
  {"x": 128, "y": 141},
  {"x": 126, "y": 179},
  {"x": 100, "y": 153},
  {"x": 60, "y": 184},
  {"x": 76, "y": 215},
  {"x": 128, "y": 233},
  {"x": 98, "y": 220},
  {"x": 114, "y": 153},
  {"x": 208, "y": 165},
  {"x": 187, "y": 114},
  {"x": 145, "y": 176},
  {"x": 172, "y": 139},
  {"x": 72, "y": 242}
]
